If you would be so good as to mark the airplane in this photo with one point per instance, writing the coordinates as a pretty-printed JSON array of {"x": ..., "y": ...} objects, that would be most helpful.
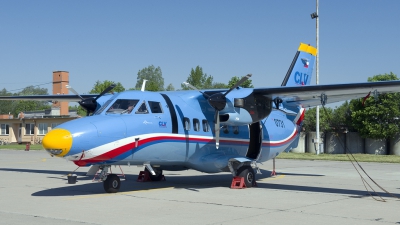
[{"x": 212, "y": 131}]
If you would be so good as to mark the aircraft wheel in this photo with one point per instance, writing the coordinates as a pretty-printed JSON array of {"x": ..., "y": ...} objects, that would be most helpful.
[
  {"x": 248, "y": 174},
  {"x": 112, "y": 183},
  {"x": 158, "y": 176}
]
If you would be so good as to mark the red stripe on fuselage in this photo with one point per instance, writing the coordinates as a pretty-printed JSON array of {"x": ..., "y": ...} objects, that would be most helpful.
[
  {"x": 283, "y": 142},
  {"x": 120, "y": 150}
]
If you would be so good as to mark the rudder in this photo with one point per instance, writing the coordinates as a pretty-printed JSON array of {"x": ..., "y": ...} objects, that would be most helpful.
[{"x": 300, "y": 71}]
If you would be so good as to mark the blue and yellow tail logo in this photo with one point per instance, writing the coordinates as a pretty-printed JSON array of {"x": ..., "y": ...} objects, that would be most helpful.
[{"x": 300, "y": 71}]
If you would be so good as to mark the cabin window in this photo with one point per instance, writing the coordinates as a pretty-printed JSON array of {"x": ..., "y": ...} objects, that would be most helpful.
[
  {"x": 236, "y": 130},
  {"x": 43, "y": 129},
  {"x": 206, "y": 127},
  {"x": 225, "y": 129},
  {"x": 142, "y": 109},
  {"x": 155, "y": 107},
  {"x": 4, "y": 129},
  {"x": 186, "y": 123},
  {"x": 29, "y": 128},
  {"x": 122, "y": 106},
  {"x": 196, "y": 125},
  {"x": 53, "y": 125}
]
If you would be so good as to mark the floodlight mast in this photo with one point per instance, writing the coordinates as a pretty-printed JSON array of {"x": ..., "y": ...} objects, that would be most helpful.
[{"x": 315, "y": 16}]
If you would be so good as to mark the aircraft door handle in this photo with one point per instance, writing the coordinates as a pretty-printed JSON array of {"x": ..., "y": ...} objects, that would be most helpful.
[{"x": 136, "y": 142}]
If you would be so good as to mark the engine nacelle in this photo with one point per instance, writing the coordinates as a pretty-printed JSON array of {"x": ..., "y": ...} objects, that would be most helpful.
[
  {"x": 242, "y": 117},
  {"x": 257, "y": 106}
]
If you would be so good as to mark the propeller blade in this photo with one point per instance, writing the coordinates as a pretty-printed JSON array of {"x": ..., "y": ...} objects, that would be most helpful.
[
  {"x": 195, "y": 88},
  {"x": 217, "y": 129},
  {"x": 105, "y": 91},
  {"x": 238, "y": 83},
  {"x": 73, "y": 90}
]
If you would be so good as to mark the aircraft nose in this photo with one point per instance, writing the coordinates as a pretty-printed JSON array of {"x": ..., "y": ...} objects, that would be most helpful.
[{"x": 57, "y": 142}]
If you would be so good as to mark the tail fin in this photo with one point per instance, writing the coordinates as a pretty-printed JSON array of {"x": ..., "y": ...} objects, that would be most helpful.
[{"x": 300, "y": 70}]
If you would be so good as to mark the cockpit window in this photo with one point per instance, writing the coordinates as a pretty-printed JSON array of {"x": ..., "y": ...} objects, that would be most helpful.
[
  {"x": 122, "y": 106},
  {"x": 142, "y": 109},
  {"x": 105, "y": 105}
]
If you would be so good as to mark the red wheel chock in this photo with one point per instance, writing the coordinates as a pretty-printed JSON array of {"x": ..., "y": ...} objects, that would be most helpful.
[
  {"x": 144, "y": 176},
  {"x": 238, "y": 183}
]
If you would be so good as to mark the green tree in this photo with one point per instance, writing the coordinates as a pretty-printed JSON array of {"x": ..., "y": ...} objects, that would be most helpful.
[
  {"x": 6, "y": 106},
  {"x": 170, "y": 87},
  {"x": 24, "y": 106},
  {"x": 81, "y": 112},
  {"x": 199, "y": 79},
  {"x": 155, "y": 81},
  {"x": 217, "y": 85},
  {"x": 341, "y": 117},
  {"x": 377, "y": 118},
  {"x": 235, "y": 79},
  {"x": 99, "y": 86},
  {"x": 309, "y": 124}
]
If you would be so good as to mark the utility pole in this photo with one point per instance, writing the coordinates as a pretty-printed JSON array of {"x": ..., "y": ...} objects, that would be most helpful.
[{"x": 315, "y": 16}]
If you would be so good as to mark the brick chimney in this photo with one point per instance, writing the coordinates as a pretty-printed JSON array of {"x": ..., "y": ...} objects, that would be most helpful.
[{"x": 60, "y": 79}]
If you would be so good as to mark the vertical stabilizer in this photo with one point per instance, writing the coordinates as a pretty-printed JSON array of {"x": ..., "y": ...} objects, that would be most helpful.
[{"x": 300, "y": 70}]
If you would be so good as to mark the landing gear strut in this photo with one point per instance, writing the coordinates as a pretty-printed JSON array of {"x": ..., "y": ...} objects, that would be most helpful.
[{"x": 158, "y": 174}]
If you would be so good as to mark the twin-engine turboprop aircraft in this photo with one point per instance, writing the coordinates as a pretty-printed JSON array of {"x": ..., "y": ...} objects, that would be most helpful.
[{"x": 210, "y": 131}]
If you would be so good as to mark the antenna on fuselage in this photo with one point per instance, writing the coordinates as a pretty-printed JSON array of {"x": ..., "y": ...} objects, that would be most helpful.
[{"x": 143, "y": 85}]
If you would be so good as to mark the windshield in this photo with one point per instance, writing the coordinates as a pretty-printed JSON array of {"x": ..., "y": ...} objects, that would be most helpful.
[
  {"x": 105, "y": 105},
  {"x": 122, "y": 106}
]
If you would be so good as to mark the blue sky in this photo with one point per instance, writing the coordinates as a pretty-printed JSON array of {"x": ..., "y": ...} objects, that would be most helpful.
[{"x": 113, "y": 40}]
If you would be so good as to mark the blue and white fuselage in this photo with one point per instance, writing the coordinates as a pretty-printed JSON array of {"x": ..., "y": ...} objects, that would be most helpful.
[{"x": 177, "y": 137}]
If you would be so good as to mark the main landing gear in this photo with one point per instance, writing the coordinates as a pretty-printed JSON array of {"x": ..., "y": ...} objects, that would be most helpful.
[
  {"x": 243, "y": 173},
  {"x": 248, "y": 175},
  {"x": 158, "y": 174}
]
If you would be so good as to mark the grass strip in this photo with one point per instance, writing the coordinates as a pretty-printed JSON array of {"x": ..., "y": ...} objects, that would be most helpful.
[
  {"x": 341, "y": 157},
  {"x": 21, "y": 147}
]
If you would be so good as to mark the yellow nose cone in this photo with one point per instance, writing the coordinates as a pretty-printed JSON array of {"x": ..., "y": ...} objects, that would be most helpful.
[{"x": 57, "y": 142}]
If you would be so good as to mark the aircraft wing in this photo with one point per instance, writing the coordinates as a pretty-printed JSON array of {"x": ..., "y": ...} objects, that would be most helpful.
[
  {"x": 61, "y": 98},
  {"x": 309, "y": 96}
]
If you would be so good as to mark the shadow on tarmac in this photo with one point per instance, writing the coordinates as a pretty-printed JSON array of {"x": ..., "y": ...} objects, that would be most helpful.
[
  {"x": 351, "y": 193},
  {"x": 42, "y": 171},
  {"x": 176, "y": 181},
  {"x": 173, "y": 180}
]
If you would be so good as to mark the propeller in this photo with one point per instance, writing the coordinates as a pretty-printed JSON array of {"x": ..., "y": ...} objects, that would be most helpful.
[
  {"x": 218, "y": 102},
  {"x": 90, "y": 104},
  {"x": 195, "y": 88}
]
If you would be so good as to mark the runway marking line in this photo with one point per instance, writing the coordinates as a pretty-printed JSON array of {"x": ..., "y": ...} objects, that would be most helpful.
[
  {"x": 273, "y": 178},
  {"x": 118, "y": 193}
]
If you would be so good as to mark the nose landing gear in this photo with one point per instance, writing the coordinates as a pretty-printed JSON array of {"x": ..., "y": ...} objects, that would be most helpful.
[{"x": 111, "y": 182}]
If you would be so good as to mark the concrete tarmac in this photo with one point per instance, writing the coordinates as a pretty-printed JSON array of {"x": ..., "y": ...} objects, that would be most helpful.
[{"x": 34, "y": 190}]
